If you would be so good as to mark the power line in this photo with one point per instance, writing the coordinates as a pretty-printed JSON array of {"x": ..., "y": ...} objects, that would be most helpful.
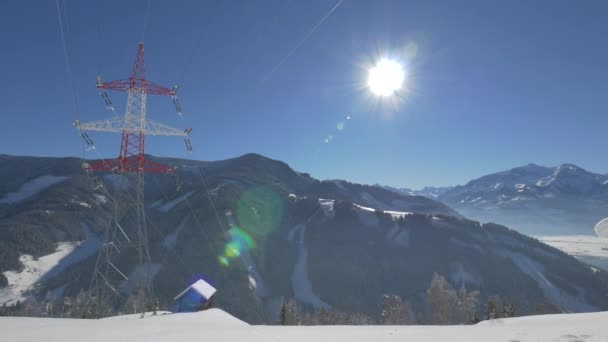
[
  {"x": 146, "y": 19},
  {"x": 276, "y": 67},
  {"x": 99, "y": 41},
  {"x": 197, "y": 42},
  {"x": 67, "y": 60}
]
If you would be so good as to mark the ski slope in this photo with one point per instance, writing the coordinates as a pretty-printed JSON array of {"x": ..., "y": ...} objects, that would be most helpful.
[{"x": 216, "y": 325}]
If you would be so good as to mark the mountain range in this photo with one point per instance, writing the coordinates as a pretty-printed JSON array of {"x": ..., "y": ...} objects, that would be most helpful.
[
  {"x": 262, "y": 232},
  {"x": 532, "y": 199}
]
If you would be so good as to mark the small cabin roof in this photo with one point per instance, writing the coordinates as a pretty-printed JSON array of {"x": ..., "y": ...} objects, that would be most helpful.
[{"x": 201, "y": 287}]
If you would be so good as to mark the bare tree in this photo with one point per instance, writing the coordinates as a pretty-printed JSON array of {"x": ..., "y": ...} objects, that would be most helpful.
[
  {"x": 357, "y": 318},
  {"x": 446, "y": 306},
  {"x": 395, "y": 311},
  {"x": 327, "y": 317},
  {"x": 466, "y": 305},
  {"x": 442, "y": 301}
]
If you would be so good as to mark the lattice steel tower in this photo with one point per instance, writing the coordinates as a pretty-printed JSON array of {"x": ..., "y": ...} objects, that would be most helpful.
[{"x": 134, "y": 126}]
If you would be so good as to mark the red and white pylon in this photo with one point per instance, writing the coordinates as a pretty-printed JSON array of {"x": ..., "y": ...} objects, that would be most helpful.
[{"x": 134, "y": 126}]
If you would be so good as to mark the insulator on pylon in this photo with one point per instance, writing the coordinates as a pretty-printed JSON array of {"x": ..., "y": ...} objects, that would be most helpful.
[
  {"x": 87, "y": 140},
  {"x": 178, "y": 107},
  {"x": 175, "y": 88},
  {"x": 107, "y": 100},
  {"x": 99, "y": 83},
  {"x": 188, "y": 130},
  {"x": 188, "y": 145}
]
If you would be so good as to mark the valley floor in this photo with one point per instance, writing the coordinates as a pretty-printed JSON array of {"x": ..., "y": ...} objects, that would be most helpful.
[
  {"x": 590, "y": 249},
  {"x": 216, "y": 325}
]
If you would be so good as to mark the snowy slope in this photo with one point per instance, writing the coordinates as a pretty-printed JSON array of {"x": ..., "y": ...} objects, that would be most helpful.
[
  {"x": 38, "y": 270},
  {"x": 20, "y": 282},
  {"x": 216, "y": 325},
  {"x": 31, "y": 188}
]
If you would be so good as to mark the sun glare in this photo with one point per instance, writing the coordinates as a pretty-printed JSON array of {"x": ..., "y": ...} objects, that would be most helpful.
[{"x": 386, "y": 77}]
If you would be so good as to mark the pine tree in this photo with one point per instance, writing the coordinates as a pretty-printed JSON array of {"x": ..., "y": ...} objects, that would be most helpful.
[
  {"x": 475, "y": 319},
  {"x": 490, "y": 309},
  {"x": 289, "y": 314},
  {"x": 508, "y": 310},
  {"x": 283, "y": 314},
  {"x": 3, "y": 280}
]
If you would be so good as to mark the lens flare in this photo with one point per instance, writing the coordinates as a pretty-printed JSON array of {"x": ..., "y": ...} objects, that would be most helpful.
[
  {"x": 223, "y": 260},
  {"x": 259, "y": 211},
  {"x": 241, "y": 237},
  {"x": 233, "y": 250},
  {"x": 240, "y": 243}
]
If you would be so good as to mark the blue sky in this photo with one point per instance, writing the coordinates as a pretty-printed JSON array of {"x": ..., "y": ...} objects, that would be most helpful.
[{"x": 492, "y": 84}]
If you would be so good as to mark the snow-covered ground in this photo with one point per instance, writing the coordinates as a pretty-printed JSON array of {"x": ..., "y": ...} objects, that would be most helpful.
[
  {"x": 142, "y": 274},
  {"x": 20, "y": 282},
  {"x": 588, "y": 248},
  {"x": 216, "y": 325},
  {"x": 35, "y": 271}
]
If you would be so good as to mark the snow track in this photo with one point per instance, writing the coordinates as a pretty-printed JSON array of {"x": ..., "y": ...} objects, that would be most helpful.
[
  {"x": 31, "y": 188},
  {"x": 170, "y": 205},
  {"x": 300, "y": 282}
]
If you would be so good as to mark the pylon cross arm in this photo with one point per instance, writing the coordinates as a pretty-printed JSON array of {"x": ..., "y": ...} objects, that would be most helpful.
[
  {"x": 118, "y": 125},
  {"x": 126, "y": 84}
]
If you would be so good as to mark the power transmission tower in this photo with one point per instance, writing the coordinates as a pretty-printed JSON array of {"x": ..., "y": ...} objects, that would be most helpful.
[
  {"x": 134, "y": 126},
  {"x": 107, "y": 277}
]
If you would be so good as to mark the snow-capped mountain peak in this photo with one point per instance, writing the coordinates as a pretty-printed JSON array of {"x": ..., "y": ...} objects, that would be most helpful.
[{"x": 565, "y": 197}]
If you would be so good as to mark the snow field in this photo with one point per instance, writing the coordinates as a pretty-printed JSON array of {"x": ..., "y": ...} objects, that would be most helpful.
[{"x": 216, "y": 325}]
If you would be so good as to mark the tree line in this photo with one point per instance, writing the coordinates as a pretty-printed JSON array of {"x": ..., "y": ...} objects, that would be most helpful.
[{"x": 446, "y": 306}]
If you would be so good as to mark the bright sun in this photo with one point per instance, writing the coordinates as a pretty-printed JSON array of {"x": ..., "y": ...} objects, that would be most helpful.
[{"x": 386, "y": 77}]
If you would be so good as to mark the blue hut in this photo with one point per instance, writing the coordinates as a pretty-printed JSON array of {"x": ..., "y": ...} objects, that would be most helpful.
[{"x": 195, "y": 297}]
